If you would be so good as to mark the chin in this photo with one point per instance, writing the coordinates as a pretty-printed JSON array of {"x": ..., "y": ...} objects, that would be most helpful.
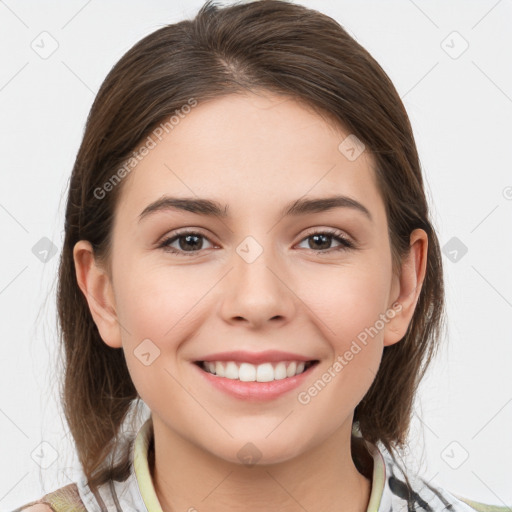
[{"x": 258, "y": 451}]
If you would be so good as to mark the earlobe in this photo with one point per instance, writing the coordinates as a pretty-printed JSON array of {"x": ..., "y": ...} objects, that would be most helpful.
[
  {"x": 410, "y": 281},
  {"x": 96, "y": 286}
]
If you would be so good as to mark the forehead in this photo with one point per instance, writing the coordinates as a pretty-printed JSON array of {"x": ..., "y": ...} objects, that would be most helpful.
[{"x": 255, "y": 152}]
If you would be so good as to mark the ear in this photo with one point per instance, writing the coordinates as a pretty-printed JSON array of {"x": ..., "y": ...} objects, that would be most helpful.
[
  {"x": 409, "y": 285},
  {"x": 96, "y": 285}
]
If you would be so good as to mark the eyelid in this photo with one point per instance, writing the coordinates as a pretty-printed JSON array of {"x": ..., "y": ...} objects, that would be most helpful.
[
  {"x": 340, "y": 233},
  {"x": 182, "y": 231}
]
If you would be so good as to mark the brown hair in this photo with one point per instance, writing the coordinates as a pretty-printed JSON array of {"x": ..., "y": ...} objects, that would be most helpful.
[{"x": 268, "y": 45}]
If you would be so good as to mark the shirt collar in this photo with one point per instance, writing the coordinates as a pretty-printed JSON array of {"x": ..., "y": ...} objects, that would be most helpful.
[
  {"x": 141, "y": 466},
  {"x": 150, "y": 499}
]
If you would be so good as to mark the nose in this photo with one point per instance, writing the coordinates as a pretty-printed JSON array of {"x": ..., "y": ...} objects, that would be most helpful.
[{"x": 256, "y": 292}]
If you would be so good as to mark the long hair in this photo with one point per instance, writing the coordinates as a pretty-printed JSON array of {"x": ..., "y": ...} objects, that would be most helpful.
[{"x": 268, "y": 45}]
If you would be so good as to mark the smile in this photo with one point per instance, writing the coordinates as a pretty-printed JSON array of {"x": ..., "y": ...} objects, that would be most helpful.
[{"x": 247, "y": 372}]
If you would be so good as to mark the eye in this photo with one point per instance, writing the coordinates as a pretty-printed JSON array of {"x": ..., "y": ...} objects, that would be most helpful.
[
  {"x": 190, "y": 242},
  {"x": 322, "y": 239}
]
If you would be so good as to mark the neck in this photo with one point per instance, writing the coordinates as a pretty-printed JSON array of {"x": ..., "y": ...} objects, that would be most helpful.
[{"x": 186, "y": 477}]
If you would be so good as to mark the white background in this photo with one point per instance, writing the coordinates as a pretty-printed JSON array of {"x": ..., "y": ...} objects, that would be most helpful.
[{"x": 460, "y": 109}]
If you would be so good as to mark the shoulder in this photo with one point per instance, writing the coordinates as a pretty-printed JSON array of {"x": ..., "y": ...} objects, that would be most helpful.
[
  {"x": 60, "y": 500},
  {"x": 404, "y": 490},
  {"x": 38, "y": 507},
  {"x": 482, "y": 507}
]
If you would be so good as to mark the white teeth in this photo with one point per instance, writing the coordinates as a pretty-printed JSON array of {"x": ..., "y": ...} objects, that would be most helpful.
[
  {"x": 247, "y": 372},
  {"x": 219, "y": 369},
  {"x": 231, "y": 371},
  {"x": 280, "y": 371},
  {"x": 292, "y": 369},
  {"x": 265, "y": 373}
]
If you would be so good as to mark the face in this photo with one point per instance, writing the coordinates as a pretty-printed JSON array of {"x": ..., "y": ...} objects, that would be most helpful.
[{"x": 257, "y": 282}]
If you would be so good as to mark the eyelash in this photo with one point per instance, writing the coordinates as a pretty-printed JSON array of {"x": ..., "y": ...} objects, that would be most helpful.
[{"x": 337, "y": 236}]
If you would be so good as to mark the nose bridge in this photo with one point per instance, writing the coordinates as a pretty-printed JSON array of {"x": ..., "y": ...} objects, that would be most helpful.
[
  {"x": 256, "y": 289},
  {"x": 254, "y": 260}
]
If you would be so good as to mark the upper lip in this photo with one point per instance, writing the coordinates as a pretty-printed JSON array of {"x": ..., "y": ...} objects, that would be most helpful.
[{"x": 243, "y": 356}]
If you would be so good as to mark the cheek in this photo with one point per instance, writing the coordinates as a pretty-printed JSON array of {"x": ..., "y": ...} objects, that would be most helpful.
[
  {"x": 154, "y": 300},
  {"x": 347, "y": 311},
  {"x": 155, "y": 307},
  {"x": 345, "y": 301},
  {"x": 346, "y": 307}
]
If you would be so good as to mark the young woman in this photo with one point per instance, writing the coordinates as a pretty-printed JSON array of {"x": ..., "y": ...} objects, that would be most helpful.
[{"x": 248, "y": 251}]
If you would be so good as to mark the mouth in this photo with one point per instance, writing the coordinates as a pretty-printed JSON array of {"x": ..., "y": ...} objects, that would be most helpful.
[{"x": 247, "y": 372}]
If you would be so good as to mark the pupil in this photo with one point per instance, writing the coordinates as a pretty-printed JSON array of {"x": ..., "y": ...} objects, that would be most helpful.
[
  {"x": 187, "y": 239},
  {"x": 325, "y": 237}
]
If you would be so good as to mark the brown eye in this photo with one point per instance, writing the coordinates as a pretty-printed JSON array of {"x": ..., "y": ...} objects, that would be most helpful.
[
  {"x": 321, "y": 241},
  {"x": 189, "y": 243}
]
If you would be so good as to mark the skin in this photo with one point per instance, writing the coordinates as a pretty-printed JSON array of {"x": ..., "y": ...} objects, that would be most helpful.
[{"x": 255, "y": 153}]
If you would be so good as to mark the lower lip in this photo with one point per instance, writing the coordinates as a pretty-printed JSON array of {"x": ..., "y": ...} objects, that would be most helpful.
[{"x": 255, "y": 391}]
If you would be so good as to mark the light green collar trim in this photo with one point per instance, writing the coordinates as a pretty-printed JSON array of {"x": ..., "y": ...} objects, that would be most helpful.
[
  {"x": 378, "y": 479},
  {"x": 378, "y": 474},
  {"x": 141, "y": 467},
  {"x": 150, "y": 499}
]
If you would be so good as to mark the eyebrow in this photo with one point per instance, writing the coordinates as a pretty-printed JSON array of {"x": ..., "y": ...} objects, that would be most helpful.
[{"x": 210, "y": 208}]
